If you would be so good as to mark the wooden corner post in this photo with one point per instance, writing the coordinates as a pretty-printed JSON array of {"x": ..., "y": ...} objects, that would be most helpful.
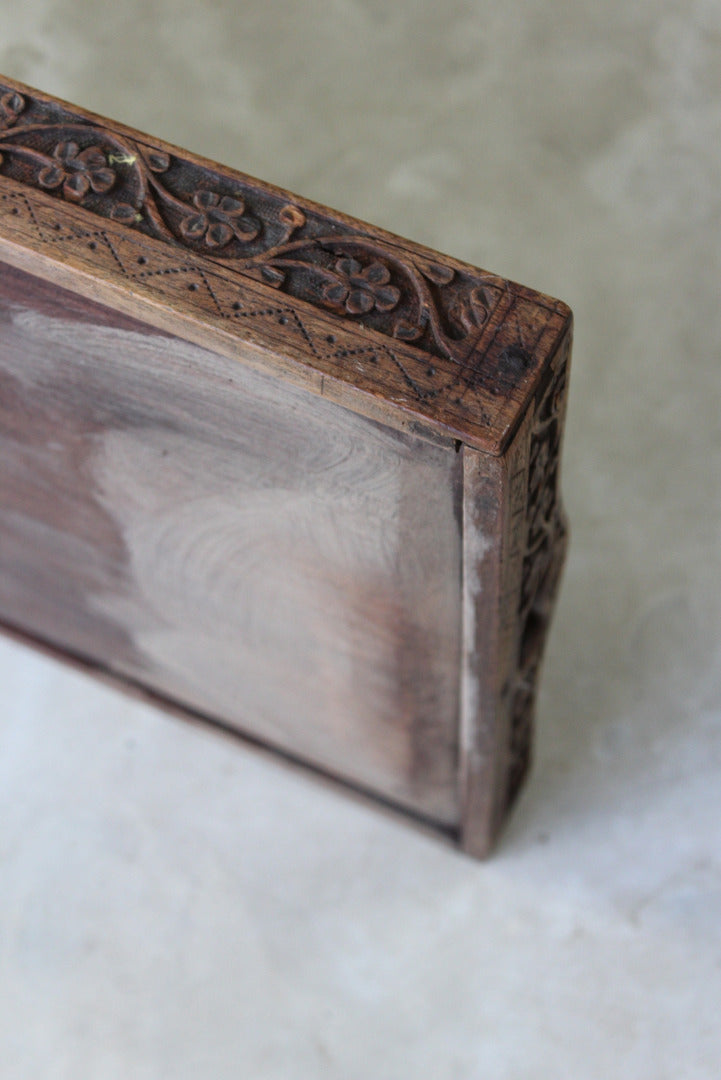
[{"x": 514, "y": 543}]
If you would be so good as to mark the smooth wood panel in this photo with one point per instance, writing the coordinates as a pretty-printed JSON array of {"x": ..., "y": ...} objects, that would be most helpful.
[{"x": 232, "y": 542}]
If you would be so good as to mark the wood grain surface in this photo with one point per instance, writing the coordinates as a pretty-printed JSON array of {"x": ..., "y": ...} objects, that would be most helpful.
[{"x": 238, "y": 545}]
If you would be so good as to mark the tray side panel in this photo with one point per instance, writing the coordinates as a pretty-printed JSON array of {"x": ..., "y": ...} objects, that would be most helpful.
[{"x": 232, "y": 542}]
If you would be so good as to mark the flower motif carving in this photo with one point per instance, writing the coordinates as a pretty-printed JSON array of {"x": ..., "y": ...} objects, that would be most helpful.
[
  {"x": 437, "y": 308},
  {"x": 361, "y": 289},
  {"x": 218, "y": 220},
  {"x": 77, "y": 171}
]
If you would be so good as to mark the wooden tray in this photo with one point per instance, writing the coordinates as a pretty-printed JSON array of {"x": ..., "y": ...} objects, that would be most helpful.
[{"x": 277, "y": 467}]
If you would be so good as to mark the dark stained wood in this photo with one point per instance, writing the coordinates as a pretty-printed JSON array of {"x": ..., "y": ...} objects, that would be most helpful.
[
  {"x": 147, "y": 227},
  {"x": 274, "y": 465}
]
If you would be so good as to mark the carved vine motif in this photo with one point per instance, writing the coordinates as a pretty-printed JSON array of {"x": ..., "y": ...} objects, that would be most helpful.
[
  {"x": 544, "y": 544},
  {"x": 315, "y": 258}
]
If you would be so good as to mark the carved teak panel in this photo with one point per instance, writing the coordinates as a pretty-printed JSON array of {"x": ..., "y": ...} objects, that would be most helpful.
[{"x": 275, "y": 467}]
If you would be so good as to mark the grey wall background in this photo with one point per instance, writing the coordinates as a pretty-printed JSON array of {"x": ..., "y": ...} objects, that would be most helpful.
[{"x": 173, "y": 906}]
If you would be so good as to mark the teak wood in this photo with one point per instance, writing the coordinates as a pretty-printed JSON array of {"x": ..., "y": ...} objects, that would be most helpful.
[{"x": 274, "y": 466}]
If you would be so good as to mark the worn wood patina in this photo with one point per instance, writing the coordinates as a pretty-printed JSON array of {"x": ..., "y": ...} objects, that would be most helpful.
[{"x": 274, "y": 466}]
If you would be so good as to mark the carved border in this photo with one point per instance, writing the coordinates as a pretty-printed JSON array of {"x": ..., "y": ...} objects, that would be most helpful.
[
  {"x": 543, "y": 549},
  {"x": 459, "y": 347},
  {"x": 349, "y": 272}
]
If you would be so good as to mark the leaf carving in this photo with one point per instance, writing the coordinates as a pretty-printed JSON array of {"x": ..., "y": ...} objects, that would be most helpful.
[
  {"x": 158, "y": 161},
  {"x": 11, "y": 105},
  {"x": 291, "y": 215},
  {"x": 471, "y": 312},
  {"x": 273, "y": 276},
  {"x": 439, "y": 275},
  {"x": 125, "y": 213},
  {"x": 406, "y": 331}
]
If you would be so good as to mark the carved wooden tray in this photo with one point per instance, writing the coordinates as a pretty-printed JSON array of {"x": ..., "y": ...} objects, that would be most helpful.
[{"x": 277, "y": 467}]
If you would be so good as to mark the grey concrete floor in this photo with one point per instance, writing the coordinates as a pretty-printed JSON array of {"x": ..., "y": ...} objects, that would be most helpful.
[{"x": 172, "y": 906}]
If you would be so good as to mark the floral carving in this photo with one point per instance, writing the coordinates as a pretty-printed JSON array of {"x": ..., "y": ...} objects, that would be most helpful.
[
  {"x": 438, "y": 308},
  {"x": 218, "y": 220},
  {"x": 11, "y": 105},
  {"x": 361, "y": 289},
  {"x": 77, "y": 171},
  {"x": 544, "y": 544},
  {"x": 126, "y": 214},
  {"x": 471, "y": 311}
]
